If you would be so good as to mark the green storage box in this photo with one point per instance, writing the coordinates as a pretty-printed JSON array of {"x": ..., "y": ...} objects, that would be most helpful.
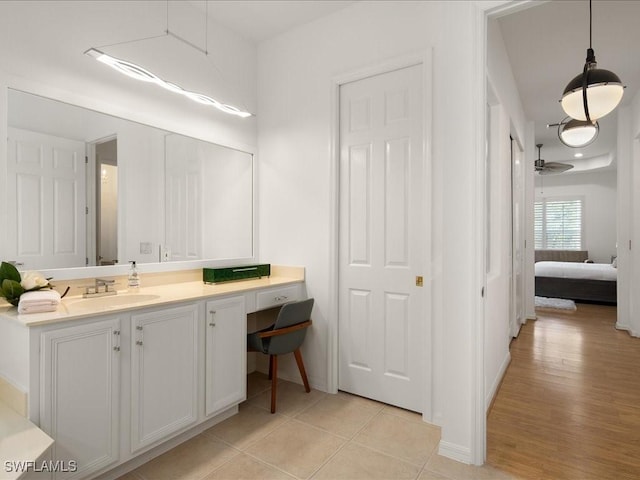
[{"x": 228, "y": 274}]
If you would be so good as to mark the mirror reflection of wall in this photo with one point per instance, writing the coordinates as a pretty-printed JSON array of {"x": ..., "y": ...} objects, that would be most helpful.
[{"x": 133, "y": 222}]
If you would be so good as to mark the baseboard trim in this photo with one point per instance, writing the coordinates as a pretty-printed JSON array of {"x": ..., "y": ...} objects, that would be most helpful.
[
  {"x": 628, "y": 329},
  {"x": 14, "y": 397},
  {"x": 496, "y": 383},
  {"x": 455, "y": 452},
  {"x": 294, "y": 377}
]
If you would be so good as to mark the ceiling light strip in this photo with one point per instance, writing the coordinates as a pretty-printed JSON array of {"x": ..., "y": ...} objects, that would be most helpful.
[{"x": 139, "y": 73}]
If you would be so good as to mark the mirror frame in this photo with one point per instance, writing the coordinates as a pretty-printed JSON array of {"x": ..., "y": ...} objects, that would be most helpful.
[{"x": 8, "y": 82}]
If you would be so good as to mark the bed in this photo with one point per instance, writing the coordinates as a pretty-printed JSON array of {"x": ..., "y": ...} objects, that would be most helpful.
[{"x": 574, "y": 279}]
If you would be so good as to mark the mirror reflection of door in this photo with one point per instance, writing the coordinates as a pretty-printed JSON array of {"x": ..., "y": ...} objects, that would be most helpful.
[{"x": 107, "y": 202}]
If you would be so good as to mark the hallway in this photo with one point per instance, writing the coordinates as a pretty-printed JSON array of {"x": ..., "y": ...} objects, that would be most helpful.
[{"x": 569, "y": 404}]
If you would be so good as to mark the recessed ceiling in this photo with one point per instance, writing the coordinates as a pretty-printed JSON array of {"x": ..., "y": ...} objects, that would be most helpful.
[{"x": 547, "y": 47}]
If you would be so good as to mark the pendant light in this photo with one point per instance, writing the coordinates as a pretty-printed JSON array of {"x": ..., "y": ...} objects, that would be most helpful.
[
  {"x": 576, "y": 133},
  {"x": 137, "y": 72},
  {"x": 594, "y": 93}
]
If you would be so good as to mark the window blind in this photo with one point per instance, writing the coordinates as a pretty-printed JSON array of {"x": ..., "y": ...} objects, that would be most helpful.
[{"x": 558, "y": 224}]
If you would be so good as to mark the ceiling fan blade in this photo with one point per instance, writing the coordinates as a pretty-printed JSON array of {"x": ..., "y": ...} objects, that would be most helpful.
[{"x": 551, "y": 168}]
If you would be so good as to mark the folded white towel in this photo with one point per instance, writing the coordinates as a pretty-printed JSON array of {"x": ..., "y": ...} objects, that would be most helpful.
[{"x": 39, "y": 301}]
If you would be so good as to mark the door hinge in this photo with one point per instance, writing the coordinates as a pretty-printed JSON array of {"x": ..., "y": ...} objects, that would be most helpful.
[
  {"x": 629, "y": 244},
  {"x": 86, "y": 210},
  {"x": 419, "y": 281},
  {"x": 86, "y": 261},
  {"x": 482, "y": 292},
  {"x": 86, "y": 159}
]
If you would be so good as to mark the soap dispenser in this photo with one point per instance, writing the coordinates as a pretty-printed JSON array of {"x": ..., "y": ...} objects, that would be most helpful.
[{"x": 134, "y": 280}]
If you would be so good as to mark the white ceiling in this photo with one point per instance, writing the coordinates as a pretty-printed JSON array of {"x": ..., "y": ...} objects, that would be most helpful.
[
  {"x": 259, "y": 20},
  {"x": 547, "y": 47}
]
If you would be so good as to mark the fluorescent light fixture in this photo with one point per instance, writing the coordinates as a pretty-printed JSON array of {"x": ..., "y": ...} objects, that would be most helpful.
[
  {"x": 137, "y": 72},
  {"x": 578, "y": 155}
]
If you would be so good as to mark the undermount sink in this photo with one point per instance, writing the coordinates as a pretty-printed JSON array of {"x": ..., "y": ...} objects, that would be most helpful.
[{"x": 110, "y": 302}]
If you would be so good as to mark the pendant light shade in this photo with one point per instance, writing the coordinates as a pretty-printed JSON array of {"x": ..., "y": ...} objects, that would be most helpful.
[
  {"x": 604, "y": 91},
  {"x": 596, "y": 92},
  {"x": 577, "y": 133}
]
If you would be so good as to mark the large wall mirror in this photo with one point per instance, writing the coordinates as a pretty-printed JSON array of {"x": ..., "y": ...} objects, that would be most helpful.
[{"x": 89, "y": 189}]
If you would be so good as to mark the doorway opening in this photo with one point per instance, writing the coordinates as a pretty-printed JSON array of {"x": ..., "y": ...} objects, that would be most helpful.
[{"x": 103, "y": 240}]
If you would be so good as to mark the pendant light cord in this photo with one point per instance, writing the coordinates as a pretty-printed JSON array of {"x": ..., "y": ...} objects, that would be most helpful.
[
  {"x": 590, "y": 24},
  {"x": 591, "y": 60}
]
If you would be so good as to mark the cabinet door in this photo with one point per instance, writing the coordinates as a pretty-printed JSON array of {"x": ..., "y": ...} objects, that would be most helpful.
[
  {"x": 226, "y": 354},
  {"x": 80, "y": 387},
  {"x": 164, "y": 362}
]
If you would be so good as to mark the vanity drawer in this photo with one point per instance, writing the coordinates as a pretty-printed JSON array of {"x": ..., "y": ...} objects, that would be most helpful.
[{"x": 277, "y": 296}]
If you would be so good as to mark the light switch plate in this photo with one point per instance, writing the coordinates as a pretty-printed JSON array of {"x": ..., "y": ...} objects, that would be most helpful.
[{"x": 145, "y": 248}]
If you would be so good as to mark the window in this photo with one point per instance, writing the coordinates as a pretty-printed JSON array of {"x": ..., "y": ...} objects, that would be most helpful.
[{"x": 558, "y": 223}]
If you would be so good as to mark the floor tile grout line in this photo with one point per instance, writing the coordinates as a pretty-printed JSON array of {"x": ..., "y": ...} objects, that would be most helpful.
[
  {"x": 331, "y": 457},
  {"x": 373, "y": 449},
  {"x": 271, "y": 465},
  {"x": 257, "y": 459},
  {"x": 250, "y": 444},
  {"x": 348, "y": 437}
]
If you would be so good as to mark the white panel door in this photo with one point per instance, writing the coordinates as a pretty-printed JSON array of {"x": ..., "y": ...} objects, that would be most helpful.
[
  {"x": 382, "y": 311},
  {"x": 164, "y": 374},
  {"x": 46, "y": 200},
  {"x": 226, "y": 357},
  {"x": 80, "y": 385}
]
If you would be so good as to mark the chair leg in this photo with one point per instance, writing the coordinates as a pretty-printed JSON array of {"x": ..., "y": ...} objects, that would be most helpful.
[
  {"x": 270, "y": 366},
  {"x": 303, "y": 373},
  {"x": 274, "y": 381}
]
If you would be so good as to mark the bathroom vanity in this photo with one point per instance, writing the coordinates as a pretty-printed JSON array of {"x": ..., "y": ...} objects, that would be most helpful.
[{"x": 127, "y": 377}]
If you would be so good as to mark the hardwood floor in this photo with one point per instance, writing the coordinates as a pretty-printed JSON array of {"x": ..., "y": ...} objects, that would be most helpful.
[{"x": 569, "y": 404}]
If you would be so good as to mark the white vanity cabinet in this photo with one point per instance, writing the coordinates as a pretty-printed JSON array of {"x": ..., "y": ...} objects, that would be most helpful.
[
  {"x": 80, "y": 393},
  {"x": 119, "y": 385},
  {"x": 225, "y": 354},
  {"x": 164, "y": 373}
]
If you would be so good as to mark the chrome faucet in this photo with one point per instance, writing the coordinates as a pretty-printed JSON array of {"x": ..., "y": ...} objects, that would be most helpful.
[{"x": 102, "y": 288}]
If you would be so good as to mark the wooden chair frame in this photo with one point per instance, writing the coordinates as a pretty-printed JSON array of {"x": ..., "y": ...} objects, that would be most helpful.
[{"x": 273, "y": 359}]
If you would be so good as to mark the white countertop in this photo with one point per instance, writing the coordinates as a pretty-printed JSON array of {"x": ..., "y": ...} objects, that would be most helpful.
[
  {"x": 20, "y": 441},
  {"x": 76, "y": 307}
]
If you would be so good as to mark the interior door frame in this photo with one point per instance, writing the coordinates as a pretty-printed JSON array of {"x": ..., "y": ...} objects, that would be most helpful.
[
  {"x": 517, "y": 156},
  {"x": 424, "y": 59},
  {"x": 91, "y": 199}
]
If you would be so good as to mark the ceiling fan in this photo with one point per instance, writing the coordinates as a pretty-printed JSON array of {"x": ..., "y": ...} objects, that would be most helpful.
[{"x": 550, "y": 168}]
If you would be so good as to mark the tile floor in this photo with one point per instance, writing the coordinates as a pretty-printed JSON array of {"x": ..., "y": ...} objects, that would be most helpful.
[{"x": 312, "y": 436}]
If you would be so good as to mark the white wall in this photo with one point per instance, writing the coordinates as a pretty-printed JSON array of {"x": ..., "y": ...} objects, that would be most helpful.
[
  {"x": 296, "y": 73},
  {"x": 506, "y": 119},
  {"x": 628, "y": 208},
  {"x": 599, "y": 191}
]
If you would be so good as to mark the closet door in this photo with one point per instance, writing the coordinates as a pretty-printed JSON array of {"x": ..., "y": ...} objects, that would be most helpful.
[{"x": 382, "y": 307}]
